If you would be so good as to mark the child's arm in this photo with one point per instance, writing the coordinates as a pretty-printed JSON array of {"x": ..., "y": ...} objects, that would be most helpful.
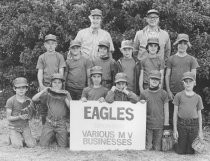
[
  {"x": 175, "y": 132},
  {"x": 162, "y": 78},
  {"x": 141, "y": 78},
  {"x": 167, "y": 77},
  {"x": 14, "y": 118},
  {"x": 166, "y": 114},
  {"x": 40, "y": 79},
  {"x": 200, "y": 133},
  {"x": 110, "y": 95},
  {"x": 132, "y": 96},
  {"x": 67, "y": 100},
  {"x": 37, "y": 96}
]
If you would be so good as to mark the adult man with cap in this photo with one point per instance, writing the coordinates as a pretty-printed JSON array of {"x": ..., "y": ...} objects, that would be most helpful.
[
  {"x": 152, "y": 30},
  {"x": 90, "y": 37}
]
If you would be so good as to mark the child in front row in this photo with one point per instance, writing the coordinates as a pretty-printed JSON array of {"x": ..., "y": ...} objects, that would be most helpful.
[
  {"x": 57, "y": 101},
  {"x": 19, "y": 130},
  {"x": 95, "y": 91},
  {"x": 187, "y": 115},
  {"x": 120, "y": 92},
  {"x": 157, "y": 122}
]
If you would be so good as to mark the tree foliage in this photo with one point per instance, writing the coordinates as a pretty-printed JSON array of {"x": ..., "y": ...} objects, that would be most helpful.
[{"x": 24, "y": 23}]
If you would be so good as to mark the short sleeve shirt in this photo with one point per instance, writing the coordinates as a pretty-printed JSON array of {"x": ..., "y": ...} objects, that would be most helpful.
[
  {"x": 16, "y": 107},
  {"x": 77, "y": 72},
  {"x": 50, "y": 63},
  {"x": 56, "y": 105},
  {"x": 91, "y": 93},
  {"x": 155, "y": 107},
  {"x": 178, "y": 66},
  {"x": 149, "y": 64},
  {"x": 90, "y": 41},
  {"x": 188, "y": 106}
]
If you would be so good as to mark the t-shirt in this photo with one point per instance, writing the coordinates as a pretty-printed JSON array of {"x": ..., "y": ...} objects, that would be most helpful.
[
  {"x": 188, "y": 106},
  {"x": 16, "y": 107},
  {"x": 178, "y": 66},
  {"x": 155, "y": 107},
  {"x": 50, "y": 63},
  {"x": 128, "y": 66},
  {"x": 106, "y": 66},
  {"x": 76, "y": 71},
  {"x": 148, "y": 64},
  {"x": 56, "y": 105},
  {"x": 91, "y": 93}
]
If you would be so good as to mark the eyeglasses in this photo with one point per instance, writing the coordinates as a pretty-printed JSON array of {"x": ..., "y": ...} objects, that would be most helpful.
[{"x": 153, "y": 18}]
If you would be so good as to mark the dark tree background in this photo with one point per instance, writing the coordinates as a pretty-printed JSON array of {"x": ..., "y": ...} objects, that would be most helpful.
[{"x": 24, "y": 23}]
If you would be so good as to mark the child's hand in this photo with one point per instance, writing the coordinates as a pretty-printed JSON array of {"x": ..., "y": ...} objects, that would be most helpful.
[
  {"x": 176, "y": 135},
  {"x": 143, "y": 101},
  {"x": 125, "y": 91},
  {"x": 101, "y": 99},
  {"x": 170, "y": 95},
  {"x": 42, "y": 87},
  {"x": 113, "y": 88},
  {"x": 84, "y": 99},
  {"x": 24, "y": 116}
]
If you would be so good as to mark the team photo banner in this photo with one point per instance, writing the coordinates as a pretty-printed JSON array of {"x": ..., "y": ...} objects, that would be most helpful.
[{"x": 104, "y": 126}]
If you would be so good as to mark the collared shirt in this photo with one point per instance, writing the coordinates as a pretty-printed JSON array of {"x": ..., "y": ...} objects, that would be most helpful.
[
  {"x": 140, "y": 42},
  {"x": 90, "y": 40}
]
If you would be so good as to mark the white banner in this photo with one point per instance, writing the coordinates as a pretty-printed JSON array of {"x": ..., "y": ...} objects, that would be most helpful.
[{"x": 104, "y": 126}]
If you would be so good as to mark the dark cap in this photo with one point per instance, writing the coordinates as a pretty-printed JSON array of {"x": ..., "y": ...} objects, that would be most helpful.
[
  {"x": 96, "y": 12},
  {"x": 152, "y": 11},
  {"x": 57, "y": 76},
  {"x": 155, "y": 74},
  {"x": 188, "y": 75},
  {"x": 96, "y": 70},
  {"x": 50, "y": 37},
  {"x": 75, "y": 43},
  {"x": 104, "y": 43},
  {"x": 20, "y": 82}
]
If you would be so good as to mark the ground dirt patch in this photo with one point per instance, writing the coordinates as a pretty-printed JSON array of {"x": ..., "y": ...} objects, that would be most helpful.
[{"x": 8, "y": 153}]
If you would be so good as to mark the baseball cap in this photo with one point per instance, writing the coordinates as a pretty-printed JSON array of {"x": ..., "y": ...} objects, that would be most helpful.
[
  {"x": 104, "y": 43},
  {"x": 121, "y": 77},
  {"x": 188, "y": 75},
  {"x": 153, "y": 41},
  {"x": 57, "y": 76},
  {"x": 153, "y": 11},
  {"x": 182, "y": 37},
  {"x": 75, "y": 43},
  {"x": 50, "y": 37},
  {"x": 155, "y": 74},
  {"x": 96, "y": 70},
  {"x": 96, "y": 12},
  {"x": 127, "y": 44},
  {"x": 20, "y": 82}
]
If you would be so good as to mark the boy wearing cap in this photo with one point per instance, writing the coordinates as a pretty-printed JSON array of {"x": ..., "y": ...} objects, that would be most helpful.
[
  {"x": 120, "y": 92},
  {"x": 151, "y": 62},
  {"x": 19, "y": 130},
  {"x": 187, "y": 117},
  {"x": 176, "y": 65},
  {"x": 49, "y": 63},
  {"x": 58, "y": 103},
  {"x": 91, "y": 36},
  {"x": 130, "y": 66},
  {"x": 152, "y": 30},
  {"x": 108, "y": 64},
  {"x": 95, "y": 91},
  {"x": 157, "y": 122},
  {"x": 77, "y": 71}
]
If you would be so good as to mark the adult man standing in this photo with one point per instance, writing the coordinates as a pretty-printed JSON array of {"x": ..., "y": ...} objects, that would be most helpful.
[
  {"x": 152, "y": 30},
  {"x": 90, "y": 37}
]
